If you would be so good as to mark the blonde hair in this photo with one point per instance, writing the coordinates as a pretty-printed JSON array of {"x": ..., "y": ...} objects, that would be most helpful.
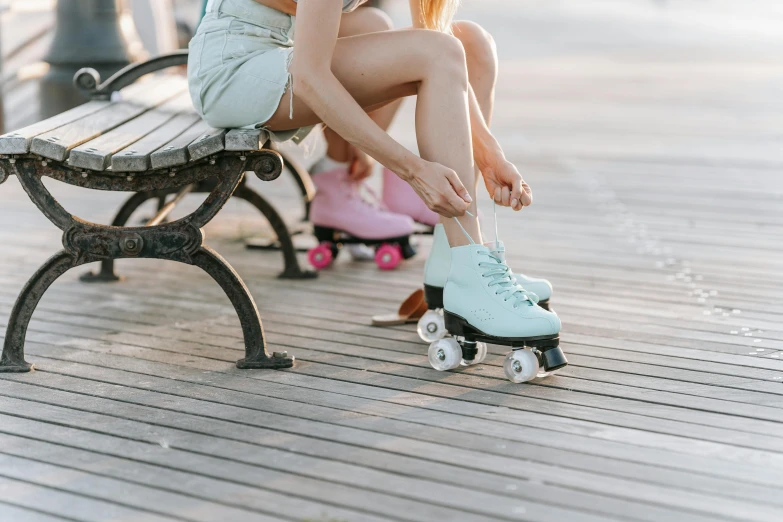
[{"x": 438, "y": 14}]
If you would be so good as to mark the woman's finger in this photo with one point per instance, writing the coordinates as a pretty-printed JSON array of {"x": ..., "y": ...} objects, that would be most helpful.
[
  {"x": 459, "y": 188},
  {"x": 516, "y": 195},
  {"x": 526, "y": 195},
  {"x": 506, "y": 196}
]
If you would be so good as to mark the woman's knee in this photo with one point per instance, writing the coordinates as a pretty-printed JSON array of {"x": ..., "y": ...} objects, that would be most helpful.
[
  {"x": 444, "y": 54},
  {"x": 478, "y": 43}
]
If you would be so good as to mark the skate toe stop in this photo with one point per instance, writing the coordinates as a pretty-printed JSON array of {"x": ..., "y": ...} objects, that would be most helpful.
[{"x": 553, "y": 359}]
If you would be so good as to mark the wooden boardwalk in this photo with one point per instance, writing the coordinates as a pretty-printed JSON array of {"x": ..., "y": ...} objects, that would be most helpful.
[{"x": 654, "y": 151}]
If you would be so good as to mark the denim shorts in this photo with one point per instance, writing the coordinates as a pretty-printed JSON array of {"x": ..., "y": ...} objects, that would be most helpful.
[{"x": 238, "y": 65}]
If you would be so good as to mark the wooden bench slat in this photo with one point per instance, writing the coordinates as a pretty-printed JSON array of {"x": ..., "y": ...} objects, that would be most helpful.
[
  {"x": 211, "y": 141},
  {"x": 246, "y": 139},
  {"x": 19, "y": 141},
  {"x": 99, "y": 153},
  {"x": 175, "y": 152},
  {"x": 58, "y": 143},
  {"x": 139, "y": 156}
]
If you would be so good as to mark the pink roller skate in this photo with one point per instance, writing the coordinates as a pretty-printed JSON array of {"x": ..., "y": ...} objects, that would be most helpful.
[
  {"x": 341, "y": 217},
  {"x": 399, "y": 197}
]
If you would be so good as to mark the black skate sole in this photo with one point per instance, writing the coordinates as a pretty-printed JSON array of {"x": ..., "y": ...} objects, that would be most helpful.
[
  {"x": 551, "y": 356},
  {"x": 433, "y": 296},
  {"x": 338, "y": 237}
]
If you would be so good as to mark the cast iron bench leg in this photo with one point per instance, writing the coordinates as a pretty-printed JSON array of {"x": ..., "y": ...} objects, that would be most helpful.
[
  {"x": 12, "y": 359},
  {"x": 256, "y": 356},
  {"x": 107, "y": 273},
  {"x": 292, "y": 269},
  {"x": 303, "y": 181}
]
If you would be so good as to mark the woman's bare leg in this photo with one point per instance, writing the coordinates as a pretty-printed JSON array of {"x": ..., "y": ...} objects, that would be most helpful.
[
  {"x": 482, "y": 61},
  {"x": 382, "y": 67},
  {"x": 362, "y": 21}
]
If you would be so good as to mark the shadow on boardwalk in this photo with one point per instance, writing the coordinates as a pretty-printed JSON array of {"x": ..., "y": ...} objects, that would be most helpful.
[{"x": 653, "y": 147}]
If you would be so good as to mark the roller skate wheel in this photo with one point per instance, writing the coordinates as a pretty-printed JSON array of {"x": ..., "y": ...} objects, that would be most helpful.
[
  {"x": 431, "y": 326},
  {"x": 445, "y": 354},
  {"x": 388, "y": 256},
  {"x": 521, "y": 366},
  {"x": 321, "y": 256},
  {"x": 481, "y": 354}
]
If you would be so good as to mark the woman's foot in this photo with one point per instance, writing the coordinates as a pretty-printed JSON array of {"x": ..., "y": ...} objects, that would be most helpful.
[
  {"x": 340, "y": 216},
  {"x": 482, "y": 295},
  {"x": 339, "y": 205},
  {"x": 483, "y": 303},
  {"x": 541, "y": 287},
  {"x": 438, "y": 264}
]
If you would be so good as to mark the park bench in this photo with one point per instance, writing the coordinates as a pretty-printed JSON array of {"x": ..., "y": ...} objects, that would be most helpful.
[{"x": 144, "y": 137}]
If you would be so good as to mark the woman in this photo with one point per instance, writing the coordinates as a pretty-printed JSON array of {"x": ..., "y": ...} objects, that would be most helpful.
[{"x": 251, "y": 66}]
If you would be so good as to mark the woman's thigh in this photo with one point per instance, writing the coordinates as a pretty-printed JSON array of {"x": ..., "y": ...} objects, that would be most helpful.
[
  {"x": 378, "y": 68},
  {"x": 363, "y": 21}
]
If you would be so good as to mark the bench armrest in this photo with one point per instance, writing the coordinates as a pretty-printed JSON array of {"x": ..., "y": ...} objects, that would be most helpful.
[{"x": 88, "y": 80}]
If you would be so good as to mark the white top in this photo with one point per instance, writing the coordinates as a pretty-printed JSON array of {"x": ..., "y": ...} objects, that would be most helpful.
[{"x": 348, "y": 5}]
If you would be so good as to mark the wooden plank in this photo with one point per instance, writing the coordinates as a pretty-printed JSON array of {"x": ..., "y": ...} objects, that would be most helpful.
[
  {"x": 573, "y": 426},
  {"x": 392, "y": 484},
  {"x": 19, "y": 141},
  {"x": 131, "y": 494},
  {"x": 373, "y": 491},
  {"x": 175, "y": 152},
  {"x": 97, "y": 154},
  {"x": 471, "y": 428},
  {"x": 246, "y": 139},
  {"x": 234, "y": 486},
  {"x": 211, "y": 141},
  {"x": 57, "y": 144},
  {"x": 136, "y": 157},
  {"x": 326, "y": 341},
  {"x": 69, "y": 506},
  {"x": 18, "y": 514}
]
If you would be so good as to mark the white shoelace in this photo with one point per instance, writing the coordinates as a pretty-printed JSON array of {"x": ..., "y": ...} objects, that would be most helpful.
[{"x": 501, "y": 274}]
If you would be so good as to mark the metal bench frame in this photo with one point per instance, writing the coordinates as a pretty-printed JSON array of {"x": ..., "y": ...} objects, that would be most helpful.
[{"x": 182, "y": 240}]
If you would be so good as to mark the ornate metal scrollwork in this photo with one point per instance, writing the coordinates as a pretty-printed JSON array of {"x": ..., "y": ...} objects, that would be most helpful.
[
  {"x": 177, "y": 241},
  {"x": 89, "y": 81},
  {"x": 268, "y": 165}
]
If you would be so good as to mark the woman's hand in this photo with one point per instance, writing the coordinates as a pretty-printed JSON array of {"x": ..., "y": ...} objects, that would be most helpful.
[
  {"x": 360, "y": 164},
  {"x": 503, "y": 181},
  {"x": 440, "y": 188}
]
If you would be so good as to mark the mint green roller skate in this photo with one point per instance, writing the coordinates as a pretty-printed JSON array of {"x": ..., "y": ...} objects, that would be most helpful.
[
  {"x": 484, "y": 303},
  {"x": 431, "y": 326}
]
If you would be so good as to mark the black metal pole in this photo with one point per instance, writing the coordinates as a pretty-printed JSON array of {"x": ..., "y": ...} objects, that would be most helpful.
[{"x": 87, "y": 34}]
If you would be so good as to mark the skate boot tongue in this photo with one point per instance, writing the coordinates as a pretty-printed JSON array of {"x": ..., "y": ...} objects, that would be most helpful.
[
  {"x": 502, "y": 279},
  {"x": 498, "y": 249}
]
